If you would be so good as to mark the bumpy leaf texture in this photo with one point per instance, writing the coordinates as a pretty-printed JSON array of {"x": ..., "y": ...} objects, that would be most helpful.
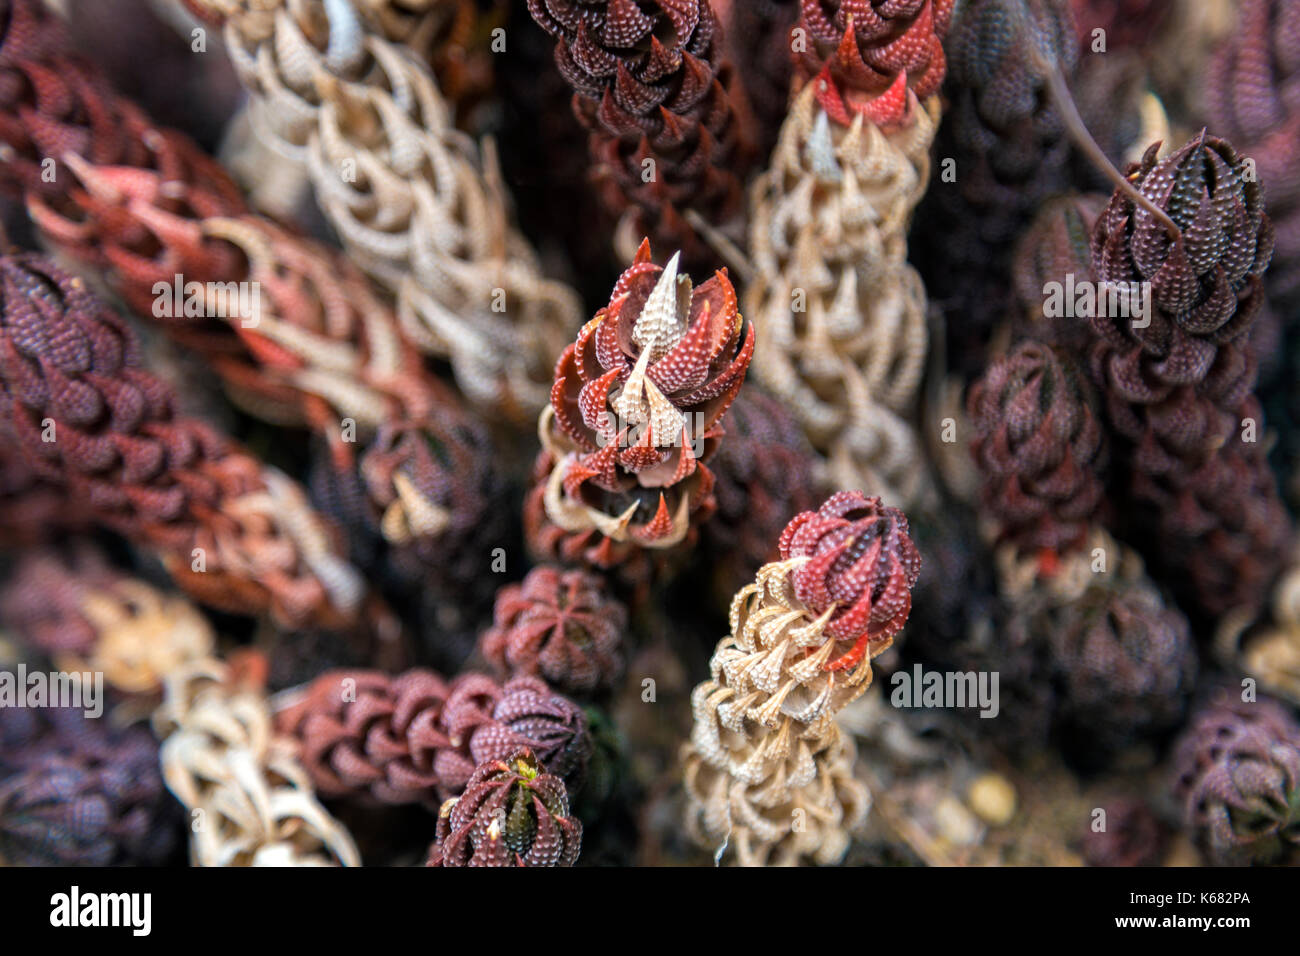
[
  {"x": 1040, "y": 448},
  {"x": 861, "y": 570},
  {"x": 166, "y": 481},
  {"x": 559, "y": 625},
  {"x": 650, "y": 375},
  {"x": 73, "y": 793},
  {"x": 416, "y": 738},
  {"x": 637, "y": 401},
  {"x": 650, "y": 82},
  {"x": 1177, "y": 370},
  {"x": 1236, "y": 775},
  {"x": 874, "y": 57},
  {"x": 1011, "y": 152},
  {"x": 146, "y": 205},
  {"x": 1206, "y": 286},
  {"x": 1057, "y": 245},
  {"x": 1252, "y": 97},
  {"x": 513, "y": 813}
]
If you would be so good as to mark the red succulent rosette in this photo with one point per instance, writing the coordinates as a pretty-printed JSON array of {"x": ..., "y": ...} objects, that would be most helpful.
[
  {"x": 636, "y": 406},
  {"x": 861, "y": 568},
  {"x": 873, "y": 57},
  {"x": 487, "y": 721},
  {"x": 560, "y": 625},
  {"x": 513, "y": 813}
]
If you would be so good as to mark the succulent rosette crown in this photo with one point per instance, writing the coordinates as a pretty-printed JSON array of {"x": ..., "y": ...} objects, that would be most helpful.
[
  {"x": 1125, "y": 663},
  {"x": 1205, "y": 281},
  {"x": 875, "y": 57},
  {"x": 1039, "y": 447},
  {"x": 560, "y": 625},
  {"x": 636, "y": 406},
  {"x": 861, "y": 568},
  {"x": 1237, "y": 775},
  {"x": 513, "y": 813}
]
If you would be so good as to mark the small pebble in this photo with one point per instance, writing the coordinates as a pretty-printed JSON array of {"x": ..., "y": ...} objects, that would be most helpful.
[{"x": 994, "y": 798}]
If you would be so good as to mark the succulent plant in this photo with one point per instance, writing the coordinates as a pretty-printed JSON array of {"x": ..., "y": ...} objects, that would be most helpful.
[
  {"x": 1250, "y": 99},
  {"x": 1206, "y": 282},
  {"x": 1120, "y": 112},
  {"x": 89, "y": 616},
  {"x": 765, "y": 751},
  {"x": 1125, "y": 664},
  {"x": 840, "y": 313},
  {"x": 876, "y": 57},
  {"x": 1040, "y": 448},
  {"x": 162, "y": 479},
  {"x": 320, "y": 348},
  {"x": 1224, "y": 532},
  {"x": 1057, "y": 245},
  {"x": 1177, "y": 377},
  {"x": 362, "y": 732},
  {"x": 561, "y": 626},
  {"x": 861, "y": 568},
  {"x": 524, "y": 712},
  {"x": 1009, "y": 143},
  {"x": 635, "y": 412},
  {"x": 763, "y": 477},
  {"x": 512, "y": 813},
  {"x": 418, "y": 209},
  {"x": 414, "y": 737},
  {"x": 226, "y": 765},
  {"x": 43, "y": 602},
  {"x": 1250, "y": 92},
  {"x": 651, "y": 85},
  {"x": 1236, "y": 775},
  {"x": 80, "y": 795}
]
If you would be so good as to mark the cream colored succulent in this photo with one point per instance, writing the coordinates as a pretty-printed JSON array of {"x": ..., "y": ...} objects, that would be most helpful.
[
  {"x": 413, "y": 200},
  {"x": 841, "y": 315},
  {"x": 250, "y": 801},
  {"x": 767, "y": 770}
]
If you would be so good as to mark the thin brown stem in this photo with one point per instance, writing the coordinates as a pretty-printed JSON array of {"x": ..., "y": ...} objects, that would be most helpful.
[{"x": 1078, "y": 131}]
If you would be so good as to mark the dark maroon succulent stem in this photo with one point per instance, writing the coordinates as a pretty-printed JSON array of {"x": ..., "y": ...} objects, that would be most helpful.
[{"x": 512, "y": 814}]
